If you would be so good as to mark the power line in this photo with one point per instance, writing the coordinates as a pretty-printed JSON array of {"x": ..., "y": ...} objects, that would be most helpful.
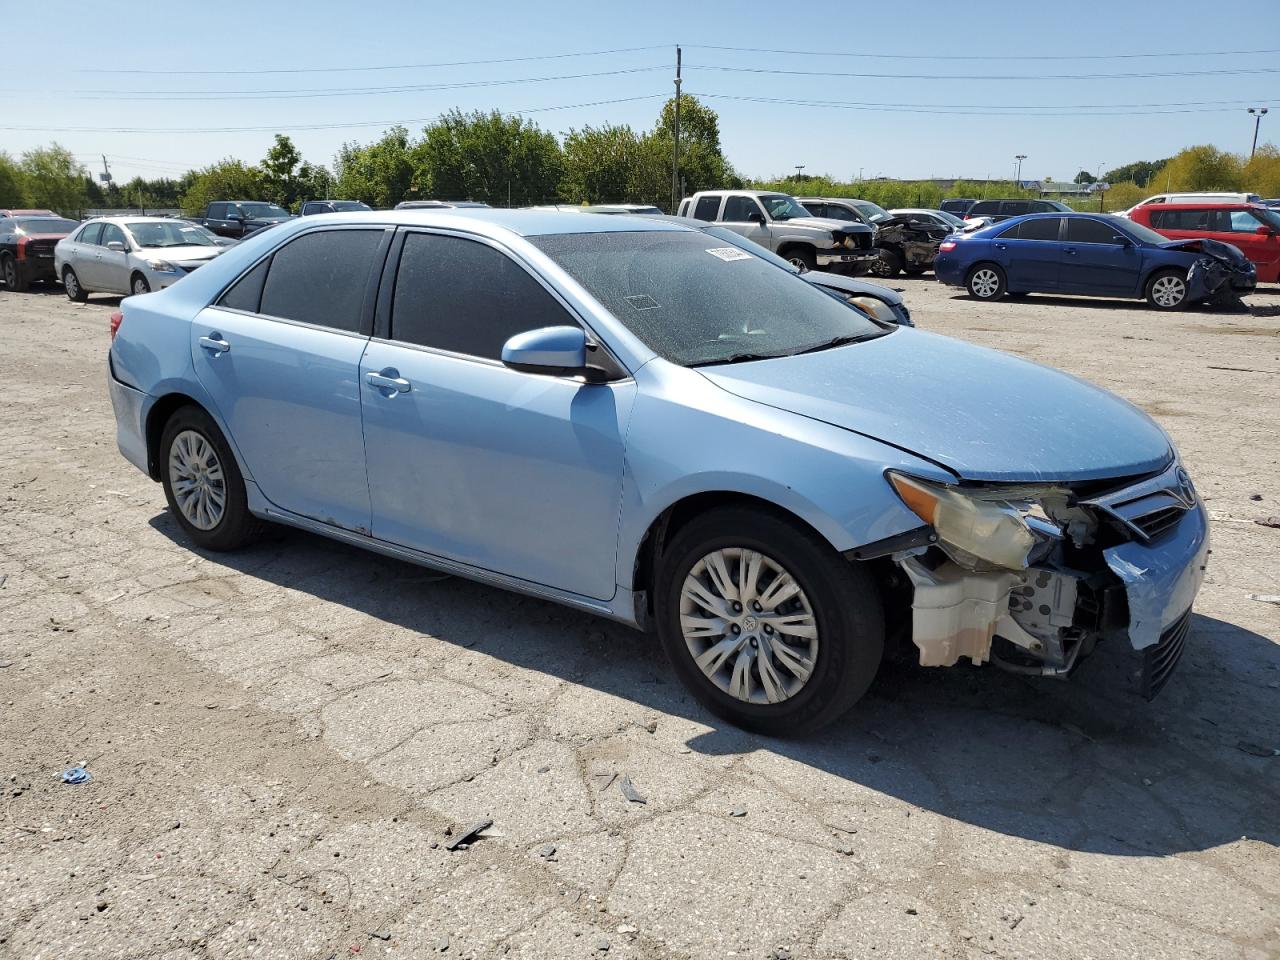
[
  {"x": 279, "y": 128},
  {"x": 1065, "y": 110},
  {"x": 1197, "y": 54},
  {"x": 398, "y": 66},
  {"x": 992, "y": 76},
  {"x": 326, "y": 92}
]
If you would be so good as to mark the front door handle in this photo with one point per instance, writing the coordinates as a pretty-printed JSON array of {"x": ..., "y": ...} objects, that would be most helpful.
[
  {"x": 1002, "y": 246},
  {"x": 1069, "y": 251},
  {"x": 215, "y": 344},
  {"x": 389, "y": 381}
]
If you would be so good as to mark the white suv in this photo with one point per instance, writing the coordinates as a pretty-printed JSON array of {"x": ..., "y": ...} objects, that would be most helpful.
[{"x": 1203, "y": 197}]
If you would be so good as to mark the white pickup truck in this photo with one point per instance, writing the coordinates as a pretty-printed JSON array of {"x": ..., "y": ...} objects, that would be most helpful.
[{"x": 778, "y": 223}]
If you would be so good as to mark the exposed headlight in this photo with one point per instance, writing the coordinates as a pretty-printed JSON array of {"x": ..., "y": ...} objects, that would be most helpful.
[
  {"x": 1002, "y": 528},
  {"x": 162, "y": 266},
  {"x": 877, "y": 308}
]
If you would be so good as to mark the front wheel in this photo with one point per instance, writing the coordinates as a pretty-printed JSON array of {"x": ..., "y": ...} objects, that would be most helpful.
[
  {"x": 1167, "y": 290},
  {"x": 202, "y": 482},
  {"x": 887, "y": 264},
  {"x": 139, "y": 285},
  {"x": 71, "y": 284},
  {"x": 986, "y": 282},
  {"x": 12, "y": 278},
  {"x": 766, "y": 624},
  {"x": 802, "y": 259}
]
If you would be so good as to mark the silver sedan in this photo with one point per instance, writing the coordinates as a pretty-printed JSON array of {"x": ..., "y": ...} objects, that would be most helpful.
[{"x": 131, "y": 255}]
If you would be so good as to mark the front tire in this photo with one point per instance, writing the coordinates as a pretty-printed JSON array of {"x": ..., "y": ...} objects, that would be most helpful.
[
  {"x": 1167, "y": 290},
  {"x": 986, "y": 282},
  {"x": 801, "y": 258},
  {"x": 71, "y": 284},
  {"x": 764, "y": 623},
  {"x": 138, "y": 285},
  {"x": 13, "y": 278},
  {"x": 202, "y": 482},
  {"x": 887, "y": 265}
]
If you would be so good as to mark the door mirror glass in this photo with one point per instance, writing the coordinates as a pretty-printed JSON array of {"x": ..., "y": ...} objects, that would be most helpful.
[
  {"x": 755, "y": 216},
  {"x": 549, "y": 350},
  {"x": 1122, "y": 240},
  {"x": 1264, "y": 230},
  {"x": 115, "y": 245}
]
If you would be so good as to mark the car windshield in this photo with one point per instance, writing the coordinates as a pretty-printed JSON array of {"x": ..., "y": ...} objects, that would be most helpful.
[
  {"x": 262, "y": 210},
  {"x": 753, "y": 248},
  {"x": 1270, "y": 217},
  {"x": 696, "y": 301},
  {"x": 950, "y": 218},
  {"x": 872, "y": 211},
  {"x": 781, "y": 207},
  {"x": 348, "y": 206},
  {"x": 1136, "y": 230},
  {"x": 45, "y": 225},
  {"x": 170, "y": 233}
]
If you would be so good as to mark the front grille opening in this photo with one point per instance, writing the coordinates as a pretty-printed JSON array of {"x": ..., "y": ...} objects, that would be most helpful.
[
  {"x": 1158, "y": 661},
  {"x": 1154, "y": 524}
]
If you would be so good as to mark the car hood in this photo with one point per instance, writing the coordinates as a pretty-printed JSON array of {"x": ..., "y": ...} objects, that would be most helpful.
[
  {"x": 980, "y": 413},
  {"x": 853, "y": 286},
  {"x": 187, "y": 254},
  {"x": 822, "y": 223}
]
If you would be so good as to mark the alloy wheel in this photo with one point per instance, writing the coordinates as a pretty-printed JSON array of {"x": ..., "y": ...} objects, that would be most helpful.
[
  {"x": 71, "y": 284},
  {"x": 748, "y": 625},
  {"x": 1169, "y": 291},
  {"x": 195, "y": 474},
  {"x": 10, "y": 274},
  {"x": 985, "y": 283},
  {"x": 140, "y": 286}
]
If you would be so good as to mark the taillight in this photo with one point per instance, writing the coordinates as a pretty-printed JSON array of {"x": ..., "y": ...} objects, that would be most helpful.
[
  {"x": 22, "y": 247},
  {"x": 117, "y": 318},
  {"x": 946, "y": 246}
]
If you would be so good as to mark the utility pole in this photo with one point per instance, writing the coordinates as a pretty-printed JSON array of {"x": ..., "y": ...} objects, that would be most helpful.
[
  {"x": 1258, "y": 114},
  {"x": 675, "y": 149},
  {"x": 1017, "y": 176},
  {"x": 799, "y": 167}
]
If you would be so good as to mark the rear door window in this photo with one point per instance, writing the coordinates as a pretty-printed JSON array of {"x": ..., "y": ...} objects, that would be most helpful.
[
  {"x": 91, "y": 233},
  {"x": 466, "y": 297},
  {"x": 837, "y": 212},
  {"x": 1014, "y": 208},
  {"x": 1041, "y": 228},
  {"x": 322, "y": 278},
  {"x": 1090, "y": 231},
  {"x": 984, "y": 208},
  {"x": 707, "y": 208}
]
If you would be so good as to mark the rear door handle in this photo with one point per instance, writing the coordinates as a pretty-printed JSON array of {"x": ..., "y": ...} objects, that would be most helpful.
[
  {"x": 388, "y": 380},
  {"x": 215, "y": 344},
  {"x": 1069, "y": 251}
]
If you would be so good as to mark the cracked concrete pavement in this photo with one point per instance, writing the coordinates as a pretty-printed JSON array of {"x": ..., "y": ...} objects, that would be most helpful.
[{"x": 283, "y": 740}]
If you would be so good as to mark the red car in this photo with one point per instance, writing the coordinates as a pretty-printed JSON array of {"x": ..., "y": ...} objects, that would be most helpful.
[
  {"x": 27, "y": 213},
  {"x": 26, "y": 248},
  {"x": 1252, "y": 227}
]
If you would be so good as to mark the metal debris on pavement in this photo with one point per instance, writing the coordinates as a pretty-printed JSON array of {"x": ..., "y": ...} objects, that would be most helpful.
[
  {"x": 75, "y": 775},
  {"x": 738, "y": 812},
  {"x": 547, "y": 851},
  {"x": 1266, "y": 597},
  {"x": 470, "y": 833},
  {"x": 630, "y": 792}
]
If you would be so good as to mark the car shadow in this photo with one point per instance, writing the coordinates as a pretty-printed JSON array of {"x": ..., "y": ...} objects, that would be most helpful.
[
  {"x": 1102, "y": 303},
  {"x": 1083, "y": 765}
]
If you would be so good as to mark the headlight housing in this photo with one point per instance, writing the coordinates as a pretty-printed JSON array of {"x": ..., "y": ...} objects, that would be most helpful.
[
  {"x": 983, "y": 528},
  {"x": 874, "y": 306},
  {"x": 162, "y": 266}
]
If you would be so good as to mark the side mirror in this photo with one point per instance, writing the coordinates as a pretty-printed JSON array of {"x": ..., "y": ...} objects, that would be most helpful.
[
  {"x": 1265, "y": 231},
  {"x": 1122, "y": 240},
  {"x": 115, "y": 245},
  {"x": 553, "y": 351},
  {"x": 755, "y": 216},
  {"x": 236, "y": 216}
]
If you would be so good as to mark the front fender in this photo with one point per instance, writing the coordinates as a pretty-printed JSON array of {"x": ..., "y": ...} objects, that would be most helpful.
[{"x": 688, "y": 437}]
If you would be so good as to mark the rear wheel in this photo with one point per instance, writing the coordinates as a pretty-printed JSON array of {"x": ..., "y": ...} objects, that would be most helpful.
[
  {"x": 986, "y": 282},
  {"x": 13, "y": 279},
  {"x": 765, "y": 623},
  {"x": 203, "y": 483},
  {"x": 71, "y": 284},
  {"x": 138, "y": 285},
  {"x": 1167, "y": 290}
]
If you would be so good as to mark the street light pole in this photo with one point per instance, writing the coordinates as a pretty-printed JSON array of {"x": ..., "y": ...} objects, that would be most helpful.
[
  {"x": 1258, "y": 114},
  {"x": 1017, "y": 177},
  {"x": 675, "y": 143},
  {"x": 799, "y": 167}
]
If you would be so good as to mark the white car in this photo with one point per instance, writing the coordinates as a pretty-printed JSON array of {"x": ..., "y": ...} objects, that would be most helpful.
[
  {"x": 1201, "y": 197},
  {"x": 131, "y": 255}
]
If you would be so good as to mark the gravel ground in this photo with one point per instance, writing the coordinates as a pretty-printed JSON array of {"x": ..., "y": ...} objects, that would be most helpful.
[{"x": 284, "y": 741}]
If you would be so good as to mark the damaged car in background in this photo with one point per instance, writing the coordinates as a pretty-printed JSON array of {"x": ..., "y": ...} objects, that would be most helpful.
[
  {"x": 904, "y": 242},
  {"x": 641, "y": 421},
  {"x": 1094, "y": 255}
]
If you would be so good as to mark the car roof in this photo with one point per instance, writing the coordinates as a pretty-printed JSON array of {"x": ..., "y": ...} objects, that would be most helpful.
[
  {"x": 1210, "y": 204},
  {"x": 496, "y": 220},
  {"x": 739, "y": 193}
]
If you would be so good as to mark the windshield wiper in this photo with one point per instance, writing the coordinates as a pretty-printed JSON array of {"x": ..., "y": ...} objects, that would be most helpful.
[
  {"x": 736, "y": 358},
  {"x": 839, "y": 342}
]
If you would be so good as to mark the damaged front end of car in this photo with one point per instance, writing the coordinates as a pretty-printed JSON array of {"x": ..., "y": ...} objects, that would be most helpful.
[
  {"x": 1222, "y": 272},
  {"x": 1030, "y": 577},
  {"x": 913, "y": 242}
]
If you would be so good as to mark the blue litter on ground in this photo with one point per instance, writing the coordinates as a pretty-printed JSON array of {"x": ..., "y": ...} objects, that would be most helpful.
[{"x": 74, "y": 775}]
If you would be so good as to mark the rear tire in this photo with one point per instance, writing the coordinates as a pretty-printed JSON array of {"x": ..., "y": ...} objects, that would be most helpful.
[
  {"x": 750, "y": 675},
  {"x": 986, "y": 282},
  {"x": 71, "y": 284},
  {"x": 13, "y": 278},
  {"x": 203, "y": 484},
  {"x": 1167, "y": 290}
]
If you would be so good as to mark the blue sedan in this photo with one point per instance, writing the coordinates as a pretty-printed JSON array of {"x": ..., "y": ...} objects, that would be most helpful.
[
  {"x": 645, "y": 422},
  {"x": 1092, "y": 255}
]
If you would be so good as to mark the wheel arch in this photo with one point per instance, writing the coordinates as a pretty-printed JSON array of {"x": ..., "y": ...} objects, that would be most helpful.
[{"x": 788, "y": 245}]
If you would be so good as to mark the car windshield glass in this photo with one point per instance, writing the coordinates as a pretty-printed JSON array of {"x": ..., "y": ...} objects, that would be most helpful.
[
  {"x": 1138, "y": 231},
  {"x": 872, "y": 211},
  {"x": 262, "y": 210},
  {"x": 171, "y": 233},
  {"x": 753, "y": 248},
  {"x": 781, "y": 207},
  {"x": 951, "y": 218},
  {"x": 1270, "y": 217},
  {"x": 45, "y": 225},
  {"x": 697, "y": 301},
  {"x": 347, "y": 206}
]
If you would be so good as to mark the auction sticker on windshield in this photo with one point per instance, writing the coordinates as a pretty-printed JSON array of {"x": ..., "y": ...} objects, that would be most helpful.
[{"x": 729, "y": 253}]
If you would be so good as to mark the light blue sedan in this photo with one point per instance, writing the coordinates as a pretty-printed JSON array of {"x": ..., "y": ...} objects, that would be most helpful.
[{"x": 635, "y": 419}]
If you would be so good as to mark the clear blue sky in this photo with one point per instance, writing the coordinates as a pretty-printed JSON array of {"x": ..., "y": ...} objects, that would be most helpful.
[{"x": 49, "y": 81}]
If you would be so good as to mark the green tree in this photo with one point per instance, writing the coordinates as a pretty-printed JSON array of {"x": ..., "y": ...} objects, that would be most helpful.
[
  {"x": 1261, "y": 173},
  {"x": 52, "y": 178},
  {"x": 1084, "y": 176},
  {"x": 11, "y": 189},
  {"x": 1201, "y": 167},
  {"x": 226, "y": 180},
  {"x": 490, "y": 157},
  {"x": 702, "y": 162},
  {"x": 379, "y": 173},
  {"x": 316, "y": 181},
  {"x": 599, "y": 164},
  {"x": 280, "y": 180},
  {"x": 1140, "y": 172}
]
